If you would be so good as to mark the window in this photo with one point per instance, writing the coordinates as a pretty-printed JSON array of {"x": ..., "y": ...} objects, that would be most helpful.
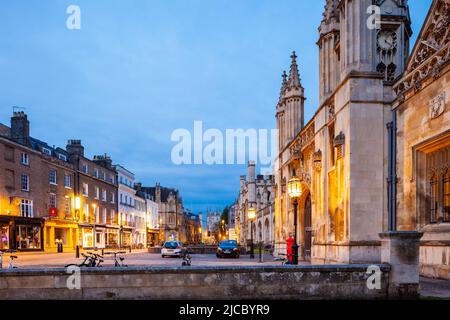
[
  {"x": 111, "y": 179},
  {"x": 447, "y": 196},
  {"x": 26, "y": 208},
  {"x": 104, "y": 195},
  {"x": 86, "y": 212},
  {"x": 105, "y": 213},
  {"x": 68, "y": 207},
  {"x": 85, "y": 190},
  {"x": 331, "y": 135},
  {"x": 113, "y": 216},
  {"x": 121, "y": 198},
  {"x": 62, "y": 157},
  {"x": 68, "y": 181},
  {"x": 97, "y": 214},
  {"x": 97, "y": 193},
  {"x": 25, "y": 182},
  {"x": 24, "y": 159},
  {"x": 9, "y": 153},
  {"x": 52, "y": 200},
  {"x": 95, "y": 173},
  {"x": 113, "y": 197},
  {"x": 52, "y": 177},
  {"x": 9, "y": 179},
  {"x": 46, "y": 151},
  {"x": 85, "y": 168},
  {"x": 103, "y": 176}
]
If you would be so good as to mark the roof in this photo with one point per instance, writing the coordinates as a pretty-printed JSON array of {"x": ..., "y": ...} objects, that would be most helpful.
[{"x": 165, "y": 192}]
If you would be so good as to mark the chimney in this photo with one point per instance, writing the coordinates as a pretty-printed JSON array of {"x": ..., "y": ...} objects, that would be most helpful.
[
  {"x": 20, "y": 128},
  {"x": 104, "y": 161},
  {"x": 138, "y": 186},
  {"x": 75, "y": 148}
]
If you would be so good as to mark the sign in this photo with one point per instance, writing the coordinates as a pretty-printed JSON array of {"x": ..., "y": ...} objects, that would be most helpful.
[{"x": 53, "y": 212}]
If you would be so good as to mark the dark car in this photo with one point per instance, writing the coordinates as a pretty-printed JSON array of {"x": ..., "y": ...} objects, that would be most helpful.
[{"x": 228, "y": 248}]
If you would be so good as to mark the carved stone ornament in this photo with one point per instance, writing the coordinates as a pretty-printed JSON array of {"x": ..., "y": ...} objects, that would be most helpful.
[{"x": 437, "y": 105}]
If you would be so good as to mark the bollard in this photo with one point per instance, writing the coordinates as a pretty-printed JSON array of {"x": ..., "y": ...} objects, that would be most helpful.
[
  {"x": 77, "y": 252},
  {"x": 260, "y": 252},
  {"x": 130, "y": 249},
  {"x": 103, "y": 251}
]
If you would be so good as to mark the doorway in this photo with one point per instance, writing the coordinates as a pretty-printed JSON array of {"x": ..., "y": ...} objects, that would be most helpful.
[{"x": 308, "y": 229}]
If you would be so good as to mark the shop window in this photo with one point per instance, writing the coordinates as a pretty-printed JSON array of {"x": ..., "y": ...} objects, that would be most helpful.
[
  {"x": 61, "y": 236},
  {"x": 447, "y": 196},
  {"x": 28, "y": 237},
  {"x": 26, "y": 208},
  {"x": 4, "y": 236}
]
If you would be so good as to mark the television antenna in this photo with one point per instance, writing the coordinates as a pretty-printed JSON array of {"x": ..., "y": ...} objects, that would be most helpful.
[{"x": 15, "y": 108}]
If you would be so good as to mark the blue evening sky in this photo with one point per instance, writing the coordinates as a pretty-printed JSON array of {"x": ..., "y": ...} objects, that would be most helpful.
[{"x": 139, "y": 69}]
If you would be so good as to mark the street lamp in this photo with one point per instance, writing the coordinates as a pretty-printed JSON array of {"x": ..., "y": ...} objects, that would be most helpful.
[
  {"x": 295, "y": 191},
  {"x": 251, "y": 217}
]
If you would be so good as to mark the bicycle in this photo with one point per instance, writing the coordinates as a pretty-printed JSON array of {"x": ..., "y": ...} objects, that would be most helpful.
[
  {"x": 285, "y": 260},
  {"x": 91, "y": 260},
  {"x": 118, "y": 263},
  {"x": 186, "y": 259},
  {"x": 11, "y": 258}
]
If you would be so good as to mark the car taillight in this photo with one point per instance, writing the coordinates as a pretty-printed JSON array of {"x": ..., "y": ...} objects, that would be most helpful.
[{"x": 178, "y": 247}]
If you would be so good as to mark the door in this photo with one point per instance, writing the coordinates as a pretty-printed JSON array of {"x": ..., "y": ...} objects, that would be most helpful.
[{"x": 308, "y": 229}]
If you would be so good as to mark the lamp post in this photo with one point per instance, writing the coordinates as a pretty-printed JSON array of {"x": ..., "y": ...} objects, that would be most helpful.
[
  {"x": 251, "y": 217},
  {"x": 295, "y": 191}
]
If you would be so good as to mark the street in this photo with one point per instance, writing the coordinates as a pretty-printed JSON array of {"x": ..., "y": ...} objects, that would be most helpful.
[{"x": 53, "y": 260}]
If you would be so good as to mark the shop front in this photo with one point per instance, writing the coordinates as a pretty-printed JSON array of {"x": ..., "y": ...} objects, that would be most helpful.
[
  {"x": 152, "y": 237},
  {"x": 23, "y": 234},
  {"x": 86, "y": 236},
  {"x": 112, "y": 237},
  {"x": 100, "y": 236},
  {"x": 60, "y": 231},
  {"x": 126, "y": 235}
]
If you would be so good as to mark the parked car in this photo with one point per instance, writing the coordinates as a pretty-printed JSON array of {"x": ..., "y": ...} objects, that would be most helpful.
[
  {"x": 173, "y": 249},
  {"x": 228, "y": 248}
]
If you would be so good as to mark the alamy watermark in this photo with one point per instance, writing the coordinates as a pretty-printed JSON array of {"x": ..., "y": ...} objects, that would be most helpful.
[
  {"x": 232, "y": 146},
  {"x": 73, "y": 21},
  {"x": 374, "y": 279}
]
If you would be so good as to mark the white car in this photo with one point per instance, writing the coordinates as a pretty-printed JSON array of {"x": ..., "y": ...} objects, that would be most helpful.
[{"x": 172, "y": 249}]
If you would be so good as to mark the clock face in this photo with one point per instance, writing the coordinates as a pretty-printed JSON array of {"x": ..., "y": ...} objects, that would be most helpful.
[{"x": 387, "y": 40}]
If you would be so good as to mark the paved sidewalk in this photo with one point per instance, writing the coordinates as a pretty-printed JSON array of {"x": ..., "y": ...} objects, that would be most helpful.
[{"x": 434, "y": 288}]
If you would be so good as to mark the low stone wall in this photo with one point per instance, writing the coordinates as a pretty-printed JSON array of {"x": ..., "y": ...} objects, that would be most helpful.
[
  {"x": 435, "y": 259},
  {"x": 226, "y": 283}
]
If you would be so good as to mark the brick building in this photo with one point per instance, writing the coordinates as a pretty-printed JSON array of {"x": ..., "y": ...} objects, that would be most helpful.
[{"x": 96, "y": 207}]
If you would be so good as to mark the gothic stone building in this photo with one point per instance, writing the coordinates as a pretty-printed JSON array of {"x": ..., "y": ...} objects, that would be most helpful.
[
  {"x": 423, "y": 142},
  {"x": 344, "y": 153},
  {"x": 255, "y": 192}
]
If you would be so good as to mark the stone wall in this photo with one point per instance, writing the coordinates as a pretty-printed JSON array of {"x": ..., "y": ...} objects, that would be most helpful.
[{"x": 230, "y": 283}]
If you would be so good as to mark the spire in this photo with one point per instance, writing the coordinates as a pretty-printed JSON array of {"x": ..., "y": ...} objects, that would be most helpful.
[
  {"x": 294, "y": 76},
  {"x": 330, "y": 10},
  {"x": 284, "y": 85}
]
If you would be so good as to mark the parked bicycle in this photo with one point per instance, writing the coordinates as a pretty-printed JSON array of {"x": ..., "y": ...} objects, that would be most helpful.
[
  {"x": 91, "y": 260},
  {"x": 187, "y": 259},
  {"x": 284, "y": 258},
  {"x": 11, "y": 258},
  {"x": 118, "y": 260}
]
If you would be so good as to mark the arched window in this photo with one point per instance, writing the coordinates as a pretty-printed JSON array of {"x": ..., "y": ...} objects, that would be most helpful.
[
  {"x": 447, "y": 196},
  {"x": 434, "y": 198}
]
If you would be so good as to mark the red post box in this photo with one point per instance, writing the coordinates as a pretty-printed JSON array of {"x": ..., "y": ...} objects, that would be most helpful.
[{"x": 289, "y": 244}]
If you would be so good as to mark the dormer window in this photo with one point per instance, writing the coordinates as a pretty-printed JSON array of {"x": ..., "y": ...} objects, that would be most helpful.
[
  {"x": 62, "y": 157},
  {"x": 46, "y": 151}
]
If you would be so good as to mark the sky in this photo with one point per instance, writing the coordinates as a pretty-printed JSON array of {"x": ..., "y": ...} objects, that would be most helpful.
[{"x": 138, "y": 70}]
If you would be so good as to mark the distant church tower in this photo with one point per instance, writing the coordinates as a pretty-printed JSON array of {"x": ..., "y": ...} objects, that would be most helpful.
[{"x": 290, "y": 107}]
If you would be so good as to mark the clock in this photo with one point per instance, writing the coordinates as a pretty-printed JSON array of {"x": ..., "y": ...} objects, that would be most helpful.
[{"x": 387, "y": 40}]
